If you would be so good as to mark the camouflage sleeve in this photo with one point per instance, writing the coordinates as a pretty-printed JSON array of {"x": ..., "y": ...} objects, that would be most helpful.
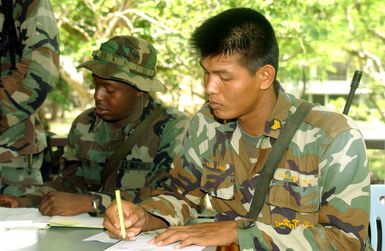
[
  {"x": 179, "y": 204},
  {"x": 25, "y": 89},
  {"x": 344, "y": 205},
  {"x": 171, "y": 135},
  {"x": 67, "y": 180}
]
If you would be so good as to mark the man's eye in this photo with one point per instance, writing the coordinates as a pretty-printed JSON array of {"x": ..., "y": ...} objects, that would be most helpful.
[{"x": 225, "y": 79}]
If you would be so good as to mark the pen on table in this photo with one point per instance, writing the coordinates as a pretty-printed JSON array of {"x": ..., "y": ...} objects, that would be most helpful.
[{"x": 120, "y": 213}]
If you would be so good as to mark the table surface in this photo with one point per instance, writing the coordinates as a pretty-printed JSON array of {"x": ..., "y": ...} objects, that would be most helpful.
[
  {"x": 67, "y": 239},
  {"x": 70, "y": 239}
]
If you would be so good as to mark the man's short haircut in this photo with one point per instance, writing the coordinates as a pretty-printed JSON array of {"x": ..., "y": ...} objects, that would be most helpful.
[{"x": 240, "y": 30}]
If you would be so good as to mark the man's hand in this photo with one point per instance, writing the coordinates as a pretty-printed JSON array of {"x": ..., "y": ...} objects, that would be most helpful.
[
  {"x": 220, "y": 233},
  {"x": 9, "y": 201},
  {"x": 60, "y": 203},
  {"x": 136, "y": 219}
]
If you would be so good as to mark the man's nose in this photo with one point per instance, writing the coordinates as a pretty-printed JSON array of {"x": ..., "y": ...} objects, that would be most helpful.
[
  {"x": 99, "y": 93},
  {"x": 212, "y": 86}
]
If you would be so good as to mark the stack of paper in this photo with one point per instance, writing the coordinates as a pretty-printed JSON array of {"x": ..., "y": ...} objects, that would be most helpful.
[
  {"x": 22, "y": 217},
  {"x": 31, "y": 217}
]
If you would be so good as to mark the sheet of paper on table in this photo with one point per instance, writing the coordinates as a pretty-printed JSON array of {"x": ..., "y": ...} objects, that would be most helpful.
[
  {"x": 142, "y": 243},
  {"x": 31, "y": 217},
  {"x": 81, "y": 220},
  {"x": 22, "y": 217},
  {"x": 101, "y": 237}
]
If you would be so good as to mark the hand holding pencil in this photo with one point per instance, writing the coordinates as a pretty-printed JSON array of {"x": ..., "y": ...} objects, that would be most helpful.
[
  {"x": 133, "y": 220},
  {"x": 123, "y": 219}
]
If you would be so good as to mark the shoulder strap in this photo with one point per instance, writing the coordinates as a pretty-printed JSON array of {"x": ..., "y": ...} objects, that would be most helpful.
[
  {"x": 279, "y": 148},
  {"x": 126, "y": 146}
]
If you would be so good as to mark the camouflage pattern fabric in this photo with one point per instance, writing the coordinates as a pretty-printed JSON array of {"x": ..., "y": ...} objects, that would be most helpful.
[
  {"x": 22, "y": 91},
  {"x": 319, "y": 195},
  {"x": 128, "y": 59},
  {"x": 92, "y": 141}
]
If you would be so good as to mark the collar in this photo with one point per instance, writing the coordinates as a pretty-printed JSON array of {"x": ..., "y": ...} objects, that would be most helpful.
[
  {"x": 104, "y": 129},
  {"x": 285, "y": 106}
]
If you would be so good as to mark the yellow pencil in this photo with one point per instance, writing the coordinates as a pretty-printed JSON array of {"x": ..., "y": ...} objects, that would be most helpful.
[{"x": 120, "y": 213}]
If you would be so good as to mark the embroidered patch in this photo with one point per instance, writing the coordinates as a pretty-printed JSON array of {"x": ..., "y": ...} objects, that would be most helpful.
[
  {"x": 292, "y": 223},
  {"x": 218, "y": 166},
  {"x": 276, "y": 125},
  {"x": 295, "y": 177}
]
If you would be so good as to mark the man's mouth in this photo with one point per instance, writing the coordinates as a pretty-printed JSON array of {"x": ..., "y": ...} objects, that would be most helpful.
[{"x": 214, "y": 105}]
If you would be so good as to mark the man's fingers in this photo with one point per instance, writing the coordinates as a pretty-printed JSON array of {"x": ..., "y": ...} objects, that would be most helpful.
[
  {"x": 171, "y": 237},
  {"x": 48, "y": 211},
  {"x": 112, "y": 230},
  {"x": 43, "y": 209},
  {"x": 47, "y": 208},
  {"x": 133, "y": 219},
  {"x": 44, "y": 206},
  {"x": 190, "y": 241},
  {"x": 111, "y": 216},
  {"x": 131, "y": 233},
  {"x": 6, "y": 202},
  {"x": 161, "y": 237},
  {"x": 15, "y": 204},
  {"x": 113, "y": 235}
]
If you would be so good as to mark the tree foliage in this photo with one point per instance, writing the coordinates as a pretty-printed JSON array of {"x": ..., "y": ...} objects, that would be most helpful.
[{"x": 310, "y": 34}]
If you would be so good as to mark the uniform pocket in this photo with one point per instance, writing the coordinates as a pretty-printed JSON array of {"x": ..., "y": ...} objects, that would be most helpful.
[
  {"x": 133, "y": 174},
  {"x": 218, "y": 179},
  {"x": 304, "y": 199}
]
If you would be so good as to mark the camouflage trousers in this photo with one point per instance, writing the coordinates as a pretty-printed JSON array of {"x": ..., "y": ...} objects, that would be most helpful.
[{"x": 17, "y": 177}]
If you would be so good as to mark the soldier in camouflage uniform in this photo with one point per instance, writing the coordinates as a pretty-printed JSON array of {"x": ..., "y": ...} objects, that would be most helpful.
[
  {"x": 29, "y": 61},
  {"x": 319, "y": 196},
  {"x": 123, "y": 71}
]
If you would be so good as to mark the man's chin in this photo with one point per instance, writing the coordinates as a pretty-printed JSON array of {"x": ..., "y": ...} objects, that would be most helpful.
[
  {"x": 105, "y": 117},
  {"x": 221, "y": 115}
]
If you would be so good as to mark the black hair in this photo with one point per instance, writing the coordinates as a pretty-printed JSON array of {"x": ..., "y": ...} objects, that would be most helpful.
[{"x": 242, "y": 31}]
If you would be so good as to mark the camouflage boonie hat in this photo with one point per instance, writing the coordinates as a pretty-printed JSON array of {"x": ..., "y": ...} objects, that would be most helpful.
[{"x": 127, "y": 59}]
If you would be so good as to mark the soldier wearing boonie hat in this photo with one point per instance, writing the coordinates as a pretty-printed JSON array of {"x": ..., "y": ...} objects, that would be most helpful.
[
  {"x": 127, "y": 59},
  {"x": 123, "y": 74}
]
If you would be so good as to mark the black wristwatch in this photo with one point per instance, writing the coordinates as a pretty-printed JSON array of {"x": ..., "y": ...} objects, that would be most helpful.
[{"x": 95, "y": 203}]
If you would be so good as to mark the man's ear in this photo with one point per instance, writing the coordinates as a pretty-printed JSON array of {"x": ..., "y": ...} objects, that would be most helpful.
[{"x": 266, "y": 76}]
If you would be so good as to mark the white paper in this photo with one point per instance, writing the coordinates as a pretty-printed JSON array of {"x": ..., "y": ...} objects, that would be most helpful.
[
  {"x": 81, "y": 220},
  {"x": 101, "y": 237},
  {"x": 142, "y": 243},
  {"x": 31, "y": 217},
  {"x": 22, "y": 217},
  {"x": 12, "y": 239}
]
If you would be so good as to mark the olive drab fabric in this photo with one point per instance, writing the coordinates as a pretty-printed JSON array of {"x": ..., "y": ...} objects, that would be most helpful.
[
  {"x": 319, "y": 194},
  {"x": 279, "y": 148},
  {"x": 23, "y": 90},
  {"x": 92, "y": 141},
  {"x": 128, "y": 59}
]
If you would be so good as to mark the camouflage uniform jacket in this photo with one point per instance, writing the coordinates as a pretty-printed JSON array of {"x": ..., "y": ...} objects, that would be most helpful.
[
  {"x": 92, "y": 141},
  {"x": 22, "y": 91},
  {"x": 319, "y": 195}
]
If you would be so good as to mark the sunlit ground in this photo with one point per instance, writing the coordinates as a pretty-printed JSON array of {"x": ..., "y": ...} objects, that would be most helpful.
[{"x": 61, "y": 127}]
